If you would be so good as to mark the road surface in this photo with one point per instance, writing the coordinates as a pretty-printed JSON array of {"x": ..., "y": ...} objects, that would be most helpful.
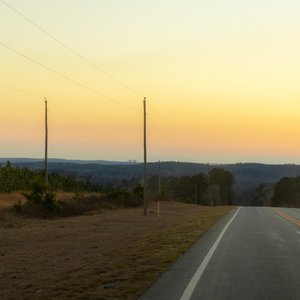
[{"x": 252, "y": 253}]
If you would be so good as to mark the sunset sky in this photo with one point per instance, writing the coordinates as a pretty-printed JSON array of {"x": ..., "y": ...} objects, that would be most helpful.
[{"x": 222, "y": 79}]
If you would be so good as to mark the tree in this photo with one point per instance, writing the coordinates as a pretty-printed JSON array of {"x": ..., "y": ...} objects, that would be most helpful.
[
  {"x": 224, "y": 180},
  {"x": 287, "y": 192}
]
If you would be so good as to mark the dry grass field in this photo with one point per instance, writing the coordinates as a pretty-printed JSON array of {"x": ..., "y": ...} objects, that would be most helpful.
[
  {"x": 105, "y": 255},
  {"x": 7, "y": 200}
]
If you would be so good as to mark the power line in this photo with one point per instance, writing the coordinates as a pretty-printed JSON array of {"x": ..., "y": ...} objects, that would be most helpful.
[
  {"x": 167, "y": 128},
  {"x": 170, "y": 139},
  {"x": 67, "y": 78},
  {"x": 164, "y": 135},
  {"x": 19, "y": 90},
  {"x": 66, "y": 112},
  {"x": 62, "y": 115},
  {"x": 70, "y": 49},
  {"x": 83, "y": 59},
  {"x": 78, "y": 123},
  {"x": 16, "y": 103}
]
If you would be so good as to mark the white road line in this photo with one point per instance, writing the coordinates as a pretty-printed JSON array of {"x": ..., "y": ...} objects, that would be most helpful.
[{"x": 195, "y": 279}]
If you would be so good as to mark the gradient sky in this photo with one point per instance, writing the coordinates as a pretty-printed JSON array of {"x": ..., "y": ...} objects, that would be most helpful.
[{"x": 221, "y": 79}]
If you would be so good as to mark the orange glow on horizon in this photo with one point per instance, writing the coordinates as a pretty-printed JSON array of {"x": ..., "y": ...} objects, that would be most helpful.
[{"x": 220, "y": 86}]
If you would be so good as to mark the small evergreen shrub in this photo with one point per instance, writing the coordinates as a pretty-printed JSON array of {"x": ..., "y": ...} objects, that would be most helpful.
[{"x": 40, "y": 201}]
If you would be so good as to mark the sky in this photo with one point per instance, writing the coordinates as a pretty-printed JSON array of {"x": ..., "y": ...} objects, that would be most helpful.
[{"x": 221, "y": 79}]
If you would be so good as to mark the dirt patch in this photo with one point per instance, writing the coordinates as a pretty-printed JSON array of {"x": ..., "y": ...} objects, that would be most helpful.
[{"x": 108, "y": 255}]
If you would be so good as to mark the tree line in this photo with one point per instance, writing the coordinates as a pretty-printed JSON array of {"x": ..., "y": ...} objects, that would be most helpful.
[
  {"x": 20, "y": 179},
  {"x": 284, "y": 193},
  {"x": 287, "y": 192},
  {"x": 214, "y": 188}
]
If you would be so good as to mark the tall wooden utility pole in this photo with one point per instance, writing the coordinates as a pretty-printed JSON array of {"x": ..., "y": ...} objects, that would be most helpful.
[
  {"x": 145, "y": 160},
  {"x": 46, "y": 141},
  {"x": 195, "y": 194},
  {"x": 159, "y": 190}
]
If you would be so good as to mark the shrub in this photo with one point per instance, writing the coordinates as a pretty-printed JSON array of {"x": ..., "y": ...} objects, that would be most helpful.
[
  {"x": 17, "y": 207},
  {"x": 124, "y": 198},
  {"x": 40, "y": 201},
  {"x": 80, "y": 205},
  {"x": 138, "y": 191}
]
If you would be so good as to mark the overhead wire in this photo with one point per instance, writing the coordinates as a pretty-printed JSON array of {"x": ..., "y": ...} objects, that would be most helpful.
[
  {"x": 67, "y": 78},
  {"x": 79, "y": 84},
  {"x": 22, "y": 104},
  {"x": 171, "y": 140},
  {"x": 52, "y": 102},
  {"x": 103, "y": 143},
  {"x": 174, "y": 141},
  {"x": 62, "y": 114},
  {"x": 70, "y": 49},
  {"x": 164, "y": 135},
  {"x": 19, "y": 90},
  {"x": 78, "y": 123}
]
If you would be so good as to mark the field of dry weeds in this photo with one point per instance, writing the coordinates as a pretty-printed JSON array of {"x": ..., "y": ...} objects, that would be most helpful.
[{"x": 105, "y": 255}]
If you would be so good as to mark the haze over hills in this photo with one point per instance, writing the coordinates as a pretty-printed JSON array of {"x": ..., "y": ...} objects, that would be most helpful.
[
  {"x": 247, "y": 175},
  {"x": 61, "y": 160}
]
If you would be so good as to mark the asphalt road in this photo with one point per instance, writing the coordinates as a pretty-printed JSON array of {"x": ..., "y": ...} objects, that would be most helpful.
[{"x": 252, "y": 253}]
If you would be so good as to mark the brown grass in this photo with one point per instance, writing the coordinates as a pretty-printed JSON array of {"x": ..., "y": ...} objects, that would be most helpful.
[
  {"x": 78, "y": 204},
  {"x": 8, "y": 199},
  {"x": 108, "y": 255}
]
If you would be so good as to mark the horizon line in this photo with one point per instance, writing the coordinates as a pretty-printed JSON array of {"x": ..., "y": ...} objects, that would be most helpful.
[{"x": 132, "y": 161}]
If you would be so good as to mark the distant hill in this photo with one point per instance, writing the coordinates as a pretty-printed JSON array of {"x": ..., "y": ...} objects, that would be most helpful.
[
  {"x": 21, "y": 160},
  {"x": 247, "y": 175}
]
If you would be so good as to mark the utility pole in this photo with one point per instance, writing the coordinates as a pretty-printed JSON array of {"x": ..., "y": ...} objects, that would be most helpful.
[
  {"x": 159, "y": 190},
  {"x": 195, "y": 194},
  {"x": 145, "y": 159},
  {"x": 46, "y": 141},
  {"x": 225, "y": 194}
]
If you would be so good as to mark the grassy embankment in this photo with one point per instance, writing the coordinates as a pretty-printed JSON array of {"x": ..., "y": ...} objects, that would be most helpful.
[{"x": 108, "y": 254}]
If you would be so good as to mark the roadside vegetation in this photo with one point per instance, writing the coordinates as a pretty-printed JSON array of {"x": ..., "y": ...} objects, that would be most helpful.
[
  {"x": 43, "y": 203},
  {"x": 41, "y": 200},
  {"x": 216, "y": 188},
  {"x": 112, "y": 254},
  {"x": 21, "y": 179},
  {"x": 287, "y": 192},
  {"x": 283, "y": 193},
  {"x": 74, "y": 239}
]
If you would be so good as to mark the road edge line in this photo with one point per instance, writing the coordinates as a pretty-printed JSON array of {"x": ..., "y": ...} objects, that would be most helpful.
[{"x": 195, "y": 279}]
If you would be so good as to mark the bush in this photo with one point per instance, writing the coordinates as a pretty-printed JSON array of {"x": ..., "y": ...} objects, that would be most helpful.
[
  {"x": 138, "y": 191},
  {"x": 80, "y": 205},
  {"x": 126, "y": 199},
  {"x": 17, "y": 207},
  {"x": 40, "y": 202}
]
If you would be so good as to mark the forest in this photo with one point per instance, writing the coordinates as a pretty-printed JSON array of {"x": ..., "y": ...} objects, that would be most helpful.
[
  {"x": 216, "y": 188},
  {"x": 247, "y": 176},
  {"x": 20, "y": 179},
  {"x": 286, "y": 192}
]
